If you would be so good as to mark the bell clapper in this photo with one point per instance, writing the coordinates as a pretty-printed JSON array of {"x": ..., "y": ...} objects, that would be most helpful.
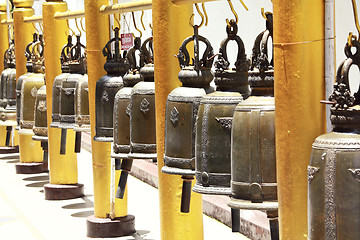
[
  {"x": 77, "y": 142},
  {"x": 235, "y": 220},
  {"x": 274, "y": 224},
  {"x": 63, "y": 141},
  {"x": 125, "y": 168},
  {"x": 45, "y": 147},
  {"x": 8, "y": 135},
  {"x": 186, "y": 193}
]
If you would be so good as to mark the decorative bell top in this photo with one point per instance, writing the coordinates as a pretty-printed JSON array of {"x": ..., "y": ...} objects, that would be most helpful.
[
  {"x": 28, "y": 54},
  {"x": 37, "y": 56},
  {"x": 147, "y": 60},
  {"x": 197, "y": 74},
  {"x": 115, "y": 64},
  {"x": 9, "y": 56},
  {"x": 133, "y": 76},
  {"x": 78, "y": 60},
  {"x": 235, "y": 79},
  {"x": 345, "y": 110},
  {"x": 65, "y": 55},
  {"x": 261, "y": 74}
]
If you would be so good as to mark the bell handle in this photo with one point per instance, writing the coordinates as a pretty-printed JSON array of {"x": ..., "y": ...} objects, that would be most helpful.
[
  {"x": 184, "y": 57},
  {"x": 130, "y": 56},
  {"x": 65, "y": 51},
  {"x": 264, "y": 49},
  {"x": 107, "y": 49},
  {"x": 240, "y": 63},
  {"x": 75, "y": 51},
  {"x": 27, "y": 49},
  {"x": 146, "y": 56}
]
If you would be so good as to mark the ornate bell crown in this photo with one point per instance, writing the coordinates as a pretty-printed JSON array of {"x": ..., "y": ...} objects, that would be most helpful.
[
  {"x": 28, "y": 53},
  {"x": 115, "y": 64},
  {"x": 147, "y": 60},
  {"x": 65, "y": 55},
  {"x": 37, "y": 55},
  {"x": 199, "y": 72},
  {"x": 226, "y": 78},
  {"x": 345, "y": 109},
  {"x": 133, "y": 76},
  {"x": 261, "y": 74},
  {"x": 9, "y": 56},
  {"x": 77, "y": 57}
]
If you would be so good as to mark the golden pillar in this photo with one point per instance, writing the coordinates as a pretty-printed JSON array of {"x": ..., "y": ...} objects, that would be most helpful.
[
  {"x": 100, "y": 225},
  {"x": 171, "y": 27},
  {"x": 300, "y": 118},
  {"x": 63, "y": 168}
]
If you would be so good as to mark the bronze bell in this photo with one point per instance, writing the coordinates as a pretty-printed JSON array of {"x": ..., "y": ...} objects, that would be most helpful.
[
  {"x": 77, "y": 69},
  {"x": 30, "y": 86},
  {"x": 334, "y": 170},
  {"x": 29, "y": 67},
  {"x": 82, "y": 115},
  {"x": 8, "y": 92},
  {"x": 253, "y": 159},
  {"x": 181, "y": 112},
  {"x": 64, "y": 59},
  {"x": 142, "y": 108},
  {"x": 214, "y": 119},
  {"x": 128, "y": 119},
  {"x": 106, "y": 89},
  {"x": 40, "y": 122}
]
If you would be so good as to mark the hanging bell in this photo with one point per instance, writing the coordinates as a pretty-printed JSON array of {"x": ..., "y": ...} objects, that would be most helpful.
[
  {"x": 125, "y": 123},
  {"x": 77, "y": 69},
  {"x": 181, "y": 112},
  {"x": 253, "y": 160},
  {"x": 40, "y": 123},
  {"x": 106, "y": 89},
  {"x": 64, "y": 59},
  {"x": 30, "y": 86},
  {"x": 214, "y": 120},
  {"x": 82, "y": 115},
  {"x": 29, "y": 67},
  {"x": 334, "y": 170},
  {"x": 8, "y": 92}
]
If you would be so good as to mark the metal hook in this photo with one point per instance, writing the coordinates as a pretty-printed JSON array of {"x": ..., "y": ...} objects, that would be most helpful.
[
  {"x": 201, "y": 15},
  {"x": 141, "y": 19},
  {"x": 205, "y": 13},
  {"x": 118, "y": 22},
  {"x": 41, "y": 27},
  {"x": 37, "y": 31},
  {"x": 81, "y": 24},
  {"x": 244, "y": 5},
  {"x": 356, "y": 16},
  {"x": 150, "y": 26},
  {"x": 133, "y": 17},
  {"x": 233, "y": 11},
  {"x": 77, "y": 26},
  {"x": 263, "y": 14},
  {"x": 72, "y": 31}
]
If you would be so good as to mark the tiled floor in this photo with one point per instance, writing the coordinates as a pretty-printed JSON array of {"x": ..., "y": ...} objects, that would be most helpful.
[{"x": 25, "y": 215}]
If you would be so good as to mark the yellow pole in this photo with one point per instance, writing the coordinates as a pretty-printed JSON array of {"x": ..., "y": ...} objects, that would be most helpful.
[
  {"x": 171, "y": 27},
  {"x": 97, "y": 35},
  {"x": 63, "y": 168},
  {"x": 300, "y": 118},
  {"x": 30, "y": 151},
  {"x": 4, "y": 44}
]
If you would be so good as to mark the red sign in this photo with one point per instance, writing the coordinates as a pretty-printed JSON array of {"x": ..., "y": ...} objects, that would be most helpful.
[{"x": 126, "y": 41}]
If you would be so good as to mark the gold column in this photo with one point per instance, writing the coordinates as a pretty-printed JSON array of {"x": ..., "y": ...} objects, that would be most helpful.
[
  {"x": 171, "y": 27},
  {"x": 300, "y": 118}
]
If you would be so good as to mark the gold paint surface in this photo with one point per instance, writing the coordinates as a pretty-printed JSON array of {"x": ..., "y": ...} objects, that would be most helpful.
[
  {"x": 300, "y": 118},
  {"x": 30, "y": 150}
]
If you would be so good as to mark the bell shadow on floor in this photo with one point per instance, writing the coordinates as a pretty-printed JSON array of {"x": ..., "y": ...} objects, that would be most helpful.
[
  {"x": 83, "y": 214},
  {"x": 37, "y": 184},
  {"x": 86, "y": 204},
  {"x": 37, "y": 178},
  {"x": 141, "y": 235},
  {"x": 10, "y": 157}
]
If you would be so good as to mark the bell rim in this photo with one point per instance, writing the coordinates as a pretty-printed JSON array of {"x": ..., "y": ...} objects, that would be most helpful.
[
  {"x": 119, "y": 155},
  {"x": 82, "y": 129},
  {"x": 212, "y": 190},
  {"x": 248, "y": 205},
  {"x": 142, "y": 156},
  {"x": 40, "y": 138},
  {"x": 103, "y": 139},
  {"x": 177, "y": 171}
]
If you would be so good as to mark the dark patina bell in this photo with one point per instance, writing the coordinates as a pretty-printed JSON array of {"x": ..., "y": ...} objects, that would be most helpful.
[
  {"x": 123, "y": 110},
  {"x": 29, "y": 67},
  {"x": 64, "y": 59},
  {"x": 82, "y": 116},
  {"x": 142, "y": 108},
  {"x": 334, "y": 170},
  {"x": 106, "y": 89},
  {"x": 30, "y": 86},
  {"x": 181, "y": 112},
  {"x": 40, "y": 123},
  {"x": 8, "y": 92},
  {"x": 214, "y": 119},
  {"x": 77, "y": 69},
  {"x": 253, "y": 160}
]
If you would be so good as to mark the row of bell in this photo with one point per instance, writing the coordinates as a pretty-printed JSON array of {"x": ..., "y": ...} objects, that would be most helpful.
[
  {"x": 127, "y": 93},
  {"x": 70, "y": 105}
]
